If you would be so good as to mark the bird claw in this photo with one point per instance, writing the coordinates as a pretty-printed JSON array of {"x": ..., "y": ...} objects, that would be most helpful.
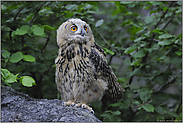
[
  {"x": 73, "y": 104},
  {"x": 92, "y": 111},
  {"x": 83, "y": 106},
  {"x": 63, "y": 104}
]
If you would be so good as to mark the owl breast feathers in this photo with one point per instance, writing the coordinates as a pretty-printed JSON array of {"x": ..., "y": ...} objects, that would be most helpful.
[{"x": 82, "y": 72}]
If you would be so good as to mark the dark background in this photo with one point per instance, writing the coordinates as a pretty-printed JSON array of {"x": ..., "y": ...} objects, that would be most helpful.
[{"x": 143, "y": 42}]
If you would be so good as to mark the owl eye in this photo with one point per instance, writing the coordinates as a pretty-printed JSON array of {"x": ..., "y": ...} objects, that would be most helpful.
[
  {"x": 86, "y": 29},
  {"x": 74, "y": 28}
]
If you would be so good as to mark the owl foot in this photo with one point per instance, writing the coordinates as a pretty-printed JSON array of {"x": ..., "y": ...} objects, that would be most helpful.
[
  {"x": 69, "y": 103},
  {"x": 84, "y": 106}
]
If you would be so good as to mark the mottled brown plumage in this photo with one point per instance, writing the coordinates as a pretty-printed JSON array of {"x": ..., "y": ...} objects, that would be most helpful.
[{"x": 82, "y": 72}]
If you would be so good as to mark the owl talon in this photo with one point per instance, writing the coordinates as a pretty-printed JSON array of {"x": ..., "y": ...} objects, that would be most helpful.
[
  {"x": 63, "y": 104},
  {"x": 83, "y": 106},
  {"x": 73, "y": 105},
  {"x": 92, "y": 111}
]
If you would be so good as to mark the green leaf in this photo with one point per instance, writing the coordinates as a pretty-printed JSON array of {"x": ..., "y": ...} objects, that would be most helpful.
[
  {"x": 139, "y": 39},
  {"x": 6, "y": 54},
  {"x": 6, "y": 60},
  {"x": 136, "y": 102},
  {"x": 165, "y": 36},
  {"x": 8, "y": 77},
  {"x": 172, "y": 113},
  {"x": 145, "y": 95},
  {"x": 28, "y": 17},
  {"x": 179, "y": 53},
  {"x": 166, "y": 42},
  {"x": 48, "y": 27},
  {"x": 159, "y": 109},
  {"x": 71, "y": 6},
  {"x": 11, "y": 78},
  {"x": 45, "y": 11},
  {"x": 121, "y": 79},
  {"x": 27, "y": 81},
  {"x": 140, "y": 53},
  {"x": 116, "y": 113},
  {"x": 116, "y": 104},
  {"x": 136, "y": 62},
  {"x": 16, "y": 57},
  {"x": 5, "y": 73},
  {"x": 108, "y": 51},
  {"x": 130, "y": 49},
  {"x": 161, "y": 58},
  {"x": 22, "y": 31},
  {"x": 159, "y": 31},
  {"x": 126, "y": 23},
  {"x": 153, "y": 11},
  {"x": 37, "y": 30},
  {"x": 25, "y": 27},
  {"x": 87, "y": 6},
  {"x": 148, "y": 107},
  {"x": 99, "y": 23},
  {"x": 29, "y": 58}
]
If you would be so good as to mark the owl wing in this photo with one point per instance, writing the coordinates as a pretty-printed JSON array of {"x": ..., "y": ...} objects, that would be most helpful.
[{"x": 103, "y": 71}]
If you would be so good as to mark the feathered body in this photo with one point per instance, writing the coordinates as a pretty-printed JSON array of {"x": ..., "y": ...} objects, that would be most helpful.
[{"x": 82, "y": 72}]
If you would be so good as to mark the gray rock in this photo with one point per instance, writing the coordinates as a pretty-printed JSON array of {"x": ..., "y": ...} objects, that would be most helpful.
[{"x": 19, "y": 107}]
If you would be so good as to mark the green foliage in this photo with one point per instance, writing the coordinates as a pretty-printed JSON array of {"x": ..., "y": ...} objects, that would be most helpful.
[
  {"x": 9, "y": 78},
  {"x": 16, "y": 57},
  {"x": 142, "y": 40},
  {"x": 27, "y": 81},
  {"x": 108, "y": 51}
]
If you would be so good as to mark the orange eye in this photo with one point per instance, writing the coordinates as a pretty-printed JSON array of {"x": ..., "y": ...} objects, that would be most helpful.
[
  {"x": 86, "y": 29},
  {"x": 73, "y": 28}
]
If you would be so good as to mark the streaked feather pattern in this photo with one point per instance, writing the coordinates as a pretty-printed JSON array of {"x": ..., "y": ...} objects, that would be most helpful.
[{"x": 82, "y": 72}]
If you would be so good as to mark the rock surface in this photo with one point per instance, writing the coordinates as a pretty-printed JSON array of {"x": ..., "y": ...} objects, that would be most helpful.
[{"x": 19, "y": 107}]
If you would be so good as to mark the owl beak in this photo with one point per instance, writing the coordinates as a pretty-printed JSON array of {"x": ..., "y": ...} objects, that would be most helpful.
[{"x": 82, "y": 32}]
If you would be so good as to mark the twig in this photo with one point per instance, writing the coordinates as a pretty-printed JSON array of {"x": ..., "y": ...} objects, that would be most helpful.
[
  {"x": 37, "y": 11},
  {"x": 131, "y": 78},
  {"x": 179, "y": 106},
  {"x": 163, "y": 15},
  {"x": 105, "y": 40},
  {"x": 18, "y": 14},
  {"x": 165, "y": 86},
  {"x": 110, "y": 59},
  {"x": 48, "y": 39},
  {"x": 169, "y": 21}
]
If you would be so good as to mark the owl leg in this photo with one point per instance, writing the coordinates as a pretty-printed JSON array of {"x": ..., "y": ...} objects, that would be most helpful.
[{"x": 69, "y": 103}]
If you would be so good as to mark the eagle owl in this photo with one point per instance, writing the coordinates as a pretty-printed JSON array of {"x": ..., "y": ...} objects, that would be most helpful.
[{"x": 82, "y": 72}]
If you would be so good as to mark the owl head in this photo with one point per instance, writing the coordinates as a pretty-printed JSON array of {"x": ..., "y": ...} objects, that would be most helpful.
[{"x": 74, "y": 31}]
